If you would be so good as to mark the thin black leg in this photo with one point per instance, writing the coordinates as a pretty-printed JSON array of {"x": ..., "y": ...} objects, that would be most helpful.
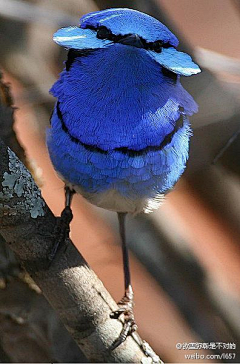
[
  {"x": 62, "y": 229},
  {"x": 127, "y": 275},
  {"x": 68, "y": 196},
  {"x": 126, "y": 303}
]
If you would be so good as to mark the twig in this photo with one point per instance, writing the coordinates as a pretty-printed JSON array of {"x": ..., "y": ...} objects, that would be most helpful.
[
  {"x": 27, "y": 12},
  {"x": 217, "y": 62}
]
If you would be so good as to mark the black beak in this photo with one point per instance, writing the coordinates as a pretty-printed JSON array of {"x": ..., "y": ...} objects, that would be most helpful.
[{"x": 133, "y": 40}]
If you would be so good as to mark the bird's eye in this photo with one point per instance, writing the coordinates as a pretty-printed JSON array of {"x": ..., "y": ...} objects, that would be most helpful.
[
  {"x": 104, "y": 33},
  {"x": 157, "y": 46}
]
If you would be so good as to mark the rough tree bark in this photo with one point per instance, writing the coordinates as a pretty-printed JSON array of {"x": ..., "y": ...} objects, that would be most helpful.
[
  {"x": 71, "y": 287},
  {"x": 26, "y": 318}
]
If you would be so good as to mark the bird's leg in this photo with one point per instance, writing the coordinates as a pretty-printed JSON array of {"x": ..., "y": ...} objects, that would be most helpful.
[
  {"x": 126, "y": 303},
  {"x": 62, "y": 229}
]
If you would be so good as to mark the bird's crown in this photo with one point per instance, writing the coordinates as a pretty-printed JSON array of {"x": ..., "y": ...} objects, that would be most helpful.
[{"x": 122, "y": 22}]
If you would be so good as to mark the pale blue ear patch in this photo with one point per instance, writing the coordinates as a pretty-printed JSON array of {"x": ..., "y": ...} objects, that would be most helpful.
[
  {"x": 175, "y": 61},
  {"x": 77, "y": 38}
]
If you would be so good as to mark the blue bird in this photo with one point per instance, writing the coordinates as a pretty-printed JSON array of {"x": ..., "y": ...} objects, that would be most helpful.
[{"x": 119, "y": 131}]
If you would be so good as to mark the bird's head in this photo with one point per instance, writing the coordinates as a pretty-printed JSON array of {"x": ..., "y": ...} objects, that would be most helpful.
[{"x": 130, "y": 28}]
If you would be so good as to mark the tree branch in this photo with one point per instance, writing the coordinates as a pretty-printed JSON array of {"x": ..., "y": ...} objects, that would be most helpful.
[
  {"x": 71, "y": 287},
  {"x": 19, "y": 295}
]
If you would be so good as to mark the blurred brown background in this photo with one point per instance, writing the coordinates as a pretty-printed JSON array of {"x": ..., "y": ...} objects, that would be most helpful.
[{"x": 185, "y": 257}]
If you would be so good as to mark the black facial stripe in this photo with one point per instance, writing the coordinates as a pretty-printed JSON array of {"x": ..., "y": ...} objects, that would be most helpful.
[
  {"x": 155, "y": 46},
  {"x": 74, "y": 53},
  {"x": 173, "y": 76},
  {"x": 130, "y": 152}
]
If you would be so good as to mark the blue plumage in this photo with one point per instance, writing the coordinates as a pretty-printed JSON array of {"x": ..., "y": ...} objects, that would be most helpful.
[
  {"x": 129, "y": 21},
  {"x": 75, "y": 37},
  {"x": 135, "y": 176},
  {"x": 137, "y": 101},
  {"x": 121, "y": 121}
]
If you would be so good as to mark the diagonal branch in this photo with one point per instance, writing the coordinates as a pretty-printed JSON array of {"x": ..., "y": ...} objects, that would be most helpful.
[
  {"x": 71, "y": 287},
  {"x": 26, "y": 311}
]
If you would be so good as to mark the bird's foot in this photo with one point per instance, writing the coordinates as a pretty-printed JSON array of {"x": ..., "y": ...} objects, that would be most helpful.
[
  {"x": 125, "y": 309},
  {"x": 61, "y": 233}
]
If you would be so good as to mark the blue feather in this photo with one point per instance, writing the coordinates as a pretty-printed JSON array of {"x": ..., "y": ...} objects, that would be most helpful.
[
  {"x": 129, "y": 21},
  {"x": 141, "y": 110},
  {"x": 75, "y": 37},
  {"x": 177, "y": 62},
  {"x": 152, "y": 172},
  {"x": 121, "y": 120}
]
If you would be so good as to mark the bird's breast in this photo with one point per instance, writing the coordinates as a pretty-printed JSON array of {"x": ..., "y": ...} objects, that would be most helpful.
[{"x": 133, "y": 177}]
